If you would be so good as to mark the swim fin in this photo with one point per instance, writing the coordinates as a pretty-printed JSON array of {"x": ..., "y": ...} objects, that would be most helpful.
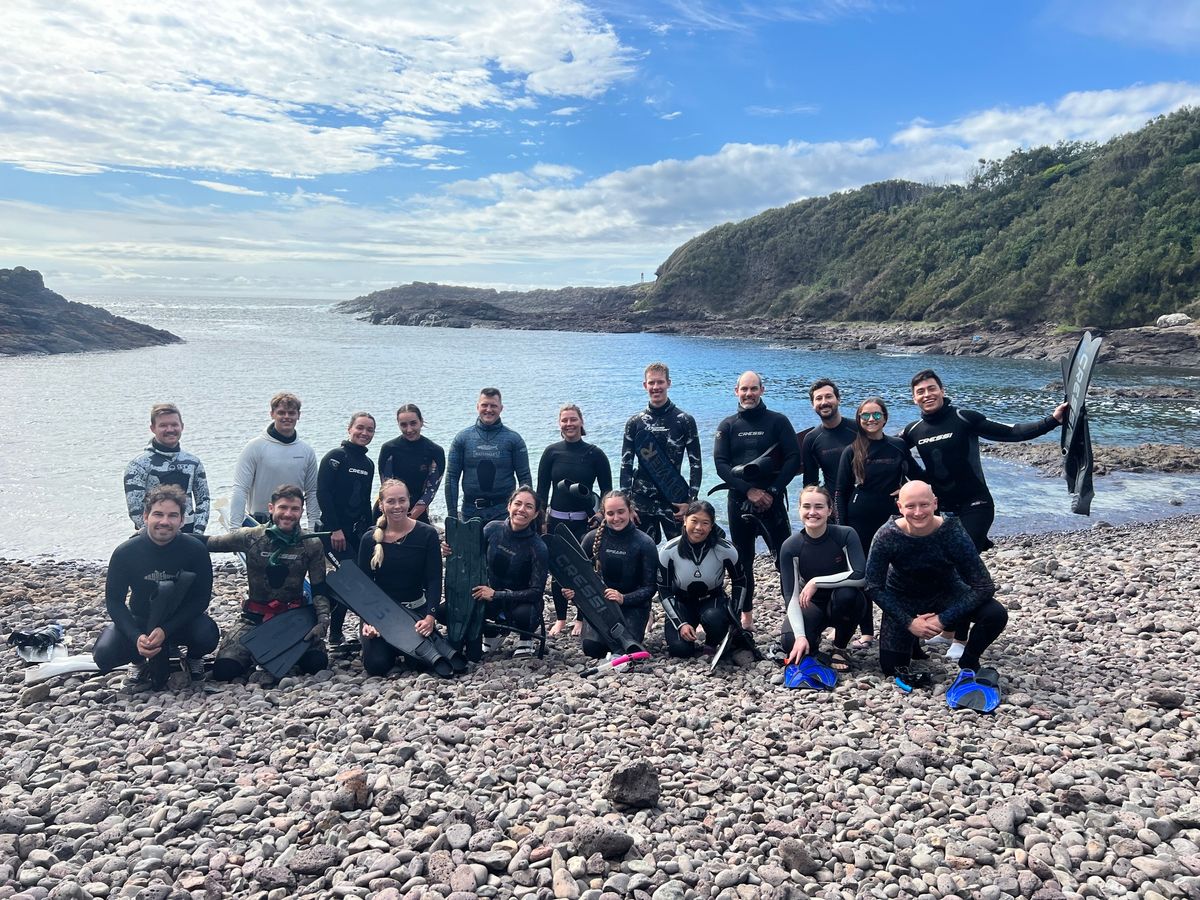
[
  {"x": 978, "y": 691},
  {"x": 810, "y": 673},
  {"x": 276, "y": 640}
]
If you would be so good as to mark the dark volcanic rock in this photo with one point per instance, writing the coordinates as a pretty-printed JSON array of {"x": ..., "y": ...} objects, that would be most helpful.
[
  {"x": 1047, "y": 457},
  {"x": 34, "y": 319}
]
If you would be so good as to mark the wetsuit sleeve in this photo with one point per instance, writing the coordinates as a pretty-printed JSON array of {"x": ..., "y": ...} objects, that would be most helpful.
[
  {"x": 385, "y": 462},
  {"x": 787, "y": 569},
  {"x": 537, "y": 577},
  {"x": 626, "y": 477},
  {"x": 315, "y": 551},
  {"x": 234, "y": 541},
  {"x": 999, "y": 431},
  {"x": 243, "y": 480},
  {"x": 737, "y": 581},
  {"x": 809, "y": 462},
  {"x": 882, "y": 550},
  {"x": 116, "y": 588},
  {"x": 521, "y": 461},
  {"x": 434, "y": 478},
  {"x": 453, "y": 474},
  {"x": 312, "y": 502},
  {"x": 970, "y": 567},
  {"x": 844, "y": 486},
  {"x": 603, "y": 470},
  {"x": 366, "y": 549},
  {"x": 545, "y": 464},
  {"x": 851, "y": 546},
  {"x": 647, "y": 563},
  {"x": 785, "y": 438},
  {"x": 722, "y": 462},
  {"x": 327, "y": 485},
  {"x": 433, "y": 574},
  {"x": 201, "y": 498},
  {"x": 135, "y": 490},
  {"x": 695, "y": 460}
]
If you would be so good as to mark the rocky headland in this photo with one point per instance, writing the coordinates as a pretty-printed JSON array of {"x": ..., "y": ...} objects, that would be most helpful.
[
  {"x": 1047, "y": 457},
  {"x": 34, "y": 319},
  {"x": 528, "y": 779}
]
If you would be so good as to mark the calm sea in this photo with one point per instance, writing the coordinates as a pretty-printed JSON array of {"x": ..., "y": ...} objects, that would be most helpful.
[{"x": 71, "y": 423}]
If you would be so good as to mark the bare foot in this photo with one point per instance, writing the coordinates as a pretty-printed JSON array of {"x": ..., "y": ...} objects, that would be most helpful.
[
  {"x": 558, "y": 627},
  {"x": 748, "y": 621},
  {"x": 577, "y": 628}
]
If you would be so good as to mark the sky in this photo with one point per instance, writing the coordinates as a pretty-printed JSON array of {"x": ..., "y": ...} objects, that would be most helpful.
[{"x": 310, "y": 149}]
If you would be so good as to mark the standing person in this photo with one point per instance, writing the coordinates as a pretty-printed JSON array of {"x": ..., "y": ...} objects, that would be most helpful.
[
  {"x": 927, "y": 577},
  {"x": 165, "y": 462},
  {"x": 415, "y": 460},
  {"x": 947, "y": 438},
  {"x": 675, "y": 433},
  {"x": 517, "y": 565},
  {"x": 275, "y": 457},
  {"x": 490, "y": 458},
  {"x": 821, "y": 575},
  {"x": 144, "y": 569},
  {"x": 626, "y": 561},
  {"x": 568, "y": 473},
  {"x": 691, "y": 583},
  {"x": 345, "y": 478},
  {"x": 870, "y": 474},
  {"x": 744, "y": 437},
  {"x": 403, "y": 556},
  {"x": 822, "y": 447},
  {"x": 279, "y": 556}
]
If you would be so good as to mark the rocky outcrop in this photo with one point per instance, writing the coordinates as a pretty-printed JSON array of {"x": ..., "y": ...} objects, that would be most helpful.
[
  {"x": 1047, "y": 457},
  {"x": 34, "y": 319}
]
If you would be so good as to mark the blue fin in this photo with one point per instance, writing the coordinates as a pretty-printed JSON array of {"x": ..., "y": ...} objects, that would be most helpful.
[{"x": 968, "y": 692}]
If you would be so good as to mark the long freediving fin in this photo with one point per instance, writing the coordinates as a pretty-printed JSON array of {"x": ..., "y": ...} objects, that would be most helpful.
[
  {"x": 572, "y": 569},
  {"x": 275, "y": 641}
]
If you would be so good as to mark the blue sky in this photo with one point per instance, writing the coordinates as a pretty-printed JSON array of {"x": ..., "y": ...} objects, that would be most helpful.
[{"x": 167, "y": 147}]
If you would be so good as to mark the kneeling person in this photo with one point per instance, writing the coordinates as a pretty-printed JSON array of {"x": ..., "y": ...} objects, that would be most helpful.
[
  {"x": 278, "y": 558},
  {"x": 926, "y": 575},
  {"x": 159, "y": 616}
]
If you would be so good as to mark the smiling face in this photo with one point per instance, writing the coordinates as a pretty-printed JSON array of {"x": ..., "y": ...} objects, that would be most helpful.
[
  {"x": 825, "y": 403},
  {"x": 361, "y": 431},
  {"x": 928, "y": 395},
  {"x": 616, "y": 513},
  {"x": 285, "y": 512},
  {"x": 167, "y": 429},
  {"x": 918, "y": 506},
  {"x": 697, "y": 526},
  {"x": 657, "y": 384},
  {"x": 522, "y": 509},
  {"x": 395, "y": 502},
  {"x": 871, "y": 419},
  {"x": 749, "y": 391},
  {"x": 163, "y": 521},
  {"x": 410, "y": 425},
  {"x": 570, "y": 425},
  {"x": 814, "y": 511},
  {"x": 284, "y": 417},
  {"x": 489, "y": 409}
]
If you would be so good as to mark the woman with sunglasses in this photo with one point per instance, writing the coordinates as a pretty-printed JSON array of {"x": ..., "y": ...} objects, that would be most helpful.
[{"x": 870, "y": 474}]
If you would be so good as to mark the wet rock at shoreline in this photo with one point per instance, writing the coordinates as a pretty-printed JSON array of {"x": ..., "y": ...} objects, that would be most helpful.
[{"x": 1047, "y": 457}]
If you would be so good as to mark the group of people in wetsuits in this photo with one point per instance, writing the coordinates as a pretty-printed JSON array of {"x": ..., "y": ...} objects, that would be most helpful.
[{"x": 853, "y": 552}]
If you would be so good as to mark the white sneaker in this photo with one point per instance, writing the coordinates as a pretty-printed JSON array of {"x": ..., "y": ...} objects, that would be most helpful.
[
  {"x": 938, "y": 640},
  {"x": 955, "y": 651},
  {"x": 492, "y": 644},
  {"x": 524, "y": 649}
]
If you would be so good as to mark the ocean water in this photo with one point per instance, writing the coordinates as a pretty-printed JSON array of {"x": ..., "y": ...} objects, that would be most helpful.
[{"x": 72, "y": 422}]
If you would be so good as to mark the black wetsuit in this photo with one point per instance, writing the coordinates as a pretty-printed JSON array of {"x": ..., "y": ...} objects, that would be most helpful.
[
  {"x": 135, "y": 570},
  {"x": 941, "y": 573},
  {"x": 676, "y": 433},
  {"x": 628, "y": 563},
  {"x": 866, "y": 506},
  {"x": 563, "y": 466},
  {"x": 411, "y": 574},
  {"x": 420, "y": 464},
  {"x": 836, "y": 557},
  {"x": 345, "y": 480},
  {"x": 822, "y": 451},
  {"x": 742, "y": 438},
  {"x": 948, "y": 442},
  {"x": 517, "y": 563},
  {"x": 691, "y": 577}
]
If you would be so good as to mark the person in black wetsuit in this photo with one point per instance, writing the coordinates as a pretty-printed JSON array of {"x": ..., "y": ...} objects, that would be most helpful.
[
  {"x": 415, "y": 460},
  {"x": 869, "y": 476},
  {"x": 517, "y": 564},
  {"x": 743, "y": 438},
  {"x": 145, "y": 569},
  {"x": 947, "y": 438},
  {"x": 345, "y": 479},
  {"x": 821, "y": 450},
  {"x": 926, "y": 575},
  {"x": 674, "y": 432},
  {"x": 490, "y": 459},
  {"x": 403, "y": 556},
  {"x": 821, "y": 575},
  {"x": 691, "y": 583},
  {"x": 626, "y": 560},
  {"x": 567, "y": 474}
]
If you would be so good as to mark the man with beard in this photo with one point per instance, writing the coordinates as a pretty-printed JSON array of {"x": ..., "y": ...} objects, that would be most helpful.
[
  {"x": 822, "y": 448},
  {"x": 491, "y": 460},
  {"x": 165, "y": 462}
]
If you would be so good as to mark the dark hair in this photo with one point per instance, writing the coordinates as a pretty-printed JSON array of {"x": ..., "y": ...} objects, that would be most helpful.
[
  {"x": 171, "y": 493},
  {"x": 360, "y": 415},
  {"x": 823, "y": 382},
  {"x": 539, "y": 516},
  {"x": 490, "y": 392},
  {"x": 412, "y": 408},
  {"x": 925, "y": 375},
  {"x": 287, "y": 490},
  {"x": 862, "y": 442},
  {"x": 703, "y": 507},
  {"x": 614, "y": 494}
]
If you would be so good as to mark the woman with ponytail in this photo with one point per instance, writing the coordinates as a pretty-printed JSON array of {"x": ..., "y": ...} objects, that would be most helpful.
[
  {"x": 625, "y": 558},
  {"x": 870, "y": 474},
  {"x": 403, "y": 556}
]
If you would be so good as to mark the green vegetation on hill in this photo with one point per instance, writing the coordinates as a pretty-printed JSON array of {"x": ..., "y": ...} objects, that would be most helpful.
[{"x": 1085, "y": 234}]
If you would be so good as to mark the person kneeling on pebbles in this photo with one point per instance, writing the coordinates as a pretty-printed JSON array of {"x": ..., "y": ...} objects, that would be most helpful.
[
  {"x": 167, "y": 578},
  {"x": 278, "y": 558},
  {"x": 926, "y": 575}
]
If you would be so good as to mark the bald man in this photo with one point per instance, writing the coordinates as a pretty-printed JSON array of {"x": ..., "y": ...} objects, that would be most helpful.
[
  {"x": 759, "y": 493},
  {"x": 926, "y": 575}
]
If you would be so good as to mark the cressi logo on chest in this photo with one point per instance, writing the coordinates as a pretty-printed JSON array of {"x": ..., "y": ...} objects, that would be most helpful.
[{"x": 935, "y": 438}]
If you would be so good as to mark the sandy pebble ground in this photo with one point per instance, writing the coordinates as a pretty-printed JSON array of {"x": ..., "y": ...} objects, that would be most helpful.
[{"x": 516, "y": 780}]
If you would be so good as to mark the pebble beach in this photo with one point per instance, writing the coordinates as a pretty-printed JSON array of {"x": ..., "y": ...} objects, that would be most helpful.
[{"x": 530, "y": 779}]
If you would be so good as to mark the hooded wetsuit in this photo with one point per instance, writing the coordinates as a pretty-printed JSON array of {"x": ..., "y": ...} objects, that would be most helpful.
[
  {"x": 691, "y": 588},
  {"x": 158, "y": 464}
]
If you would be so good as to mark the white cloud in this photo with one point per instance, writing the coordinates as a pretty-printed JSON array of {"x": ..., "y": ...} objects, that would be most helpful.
[
  {"x": 223, "y": 188},
  {"x": 667, "y": 117},
  {"x": 278, "y": 88},
  {"x": 776, "y": 111},
  {"x": 565, "y": 111},
  {"x": 1173, "y": 24}
]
